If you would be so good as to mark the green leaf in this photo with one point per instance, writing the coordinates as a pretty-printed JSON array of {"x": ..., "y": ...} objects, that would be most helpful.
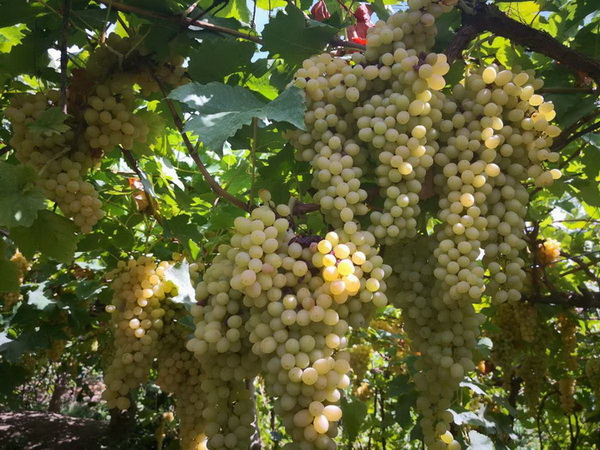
[
  {"x": 479, "y": 441},
  {"x": 53, "y": 235},
  {"x": 270, "y": 5},
  {"x": 29, "y": 57},
  {"x": 9, "y": 37},
  {"x": 38, "y": 298},
  {"x": 50, "y": 121},
  {"x": 223, "y": 110},
  {"x": 239, "y": 57},
  {"x": 11, "y": 376},
  {"x": 179, "y": 275},
  {"x": 14, "y": 12},
  {"x": 20, "y": 199},
  {"x": 354, "y": 414},
  {"x": 9, "y": 273},
  {"x": 380, "y": 9},
  {"x": 12, "y": 349},
  {"x": 293, "y": 37},
  {"x": 238, "y": 9}
]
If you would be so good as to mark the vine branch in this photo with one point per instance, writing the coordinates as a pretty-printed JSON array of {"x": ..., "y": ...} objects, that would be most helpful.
[
  {"x": 216, "y": 187},
  {"x": 187, "y": 22},
  {"x": 562, "y": 143},
  {"x": 586, "y": 300},
  {"x": 484, "y": 18}
]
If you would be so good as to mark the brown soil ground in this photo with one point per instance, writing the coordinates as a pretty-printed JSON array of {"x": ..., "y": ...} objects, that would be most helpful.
[{"x": 37, "y": 430}]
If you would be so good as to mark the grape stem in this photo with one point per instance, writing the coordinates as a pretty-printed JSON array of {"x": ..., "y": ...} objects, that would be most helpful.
[
  {"x": 482, "y": 18},
  {"x": 64, "y": 56}
]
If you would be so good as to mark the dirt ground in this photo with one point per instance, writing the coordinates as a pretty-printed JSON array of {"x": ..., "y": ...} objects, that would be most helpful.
[{"x": 36, "y": 430}]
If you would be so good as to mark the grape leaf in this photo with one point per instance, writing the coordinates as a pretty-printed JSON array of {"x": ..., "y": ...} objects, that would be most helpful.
[
  {"x": 39, "y": 299},
  {"x": 479, "y": 441},
  {"x": 10, "y": 36},
  {"x": 354, "y": 417},
  {"x": 12, "y": 375},
  {"x": 239, "y": 56},
  {"x": 53, "y": 235},
  {"x": 12, "y": 349},
  {"x": 179, "y": 275},
  {"x": 293, "y": 37},
  {"x": 223, "y": 110},
  {"x": 20, "y": 199},
  {"x": 9, "y": 273},
  {"x": 237, "y": 9},
  {"x": 19, "y": 12},
  {"x": 50, "y": 121}
]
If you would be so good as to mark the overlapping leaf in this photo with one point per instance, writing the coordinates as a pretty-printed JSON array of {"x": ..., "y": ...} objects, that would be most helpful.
[
  {"x": 222, "y": 110},
  {"x": 293, "y": 37},
  {"x": 20, "y": 199}
]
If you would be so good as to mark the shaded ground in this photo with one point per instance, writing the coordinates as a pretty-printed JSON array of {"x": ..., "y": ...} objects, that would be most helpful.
[{"x": 36, "y": 430}]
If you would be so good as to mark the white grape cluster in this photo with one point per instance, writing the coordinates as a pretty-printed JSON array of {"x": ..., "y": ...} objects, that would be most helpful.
[
  {"x": 383, "y": 116},
  {"x": 103, "y": 115},
  {"x": 11, "y": 298},
  {"x": 221, "y": 346},
  {"x": 442, "y": 333},
  {"x": 130, "y": 55},
  {"x": 338, "y": 162},
  {"x": 286, "y": 302},
  {"x": 378, "y": 109},
  {"x": 592, "y": 372},
  {"x": 548, "y": 251},
  {"x": 61, "y": 160},
  {"x": 138, "y": 311},
  {"x": 180, "y": 373},
  {"x": 497, "y": 137},
  {"x": 110, "y": 115}
]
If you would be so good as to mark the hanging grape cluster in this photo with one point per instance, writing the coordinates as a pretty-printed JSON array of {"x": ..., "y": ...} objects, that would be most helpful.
[
  {"x": 281, "y": 304},
  {"x": 11, "y": 298},
  {"x": 61, "y": 159},
  {"x": 549, "y": 251},
  {"x": 520, "y": 341},
  {"x": 180, "y": 374},
  {"x": 102, "y": 115},
  {"x": 138, "y": 312},
  {"x": 388, "y": 116}
]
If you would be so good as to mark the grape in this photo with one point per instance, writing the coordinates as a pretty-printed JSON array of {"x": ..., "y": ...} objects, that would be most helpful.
[
  {"x": 110, "y": 118},
  {"x": 360, "y": 357},
  {"x": 568, "y": 333},
  {"x": 287, "y": 306},
  {"x": 443, "y": 331},
  {"x": 11, "y": 298},
  {"x": 549, "y": 251},
  {"x": 181, "y": 374},
  {"x": 592, "y": 372},
  {"x": 566, "y": 388},
  {"x": 473, "y": 148},
  {"x": 138, "y": 317},
  {"x": 520, "y": 348},
  {"x": 60, "y": 162}
]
